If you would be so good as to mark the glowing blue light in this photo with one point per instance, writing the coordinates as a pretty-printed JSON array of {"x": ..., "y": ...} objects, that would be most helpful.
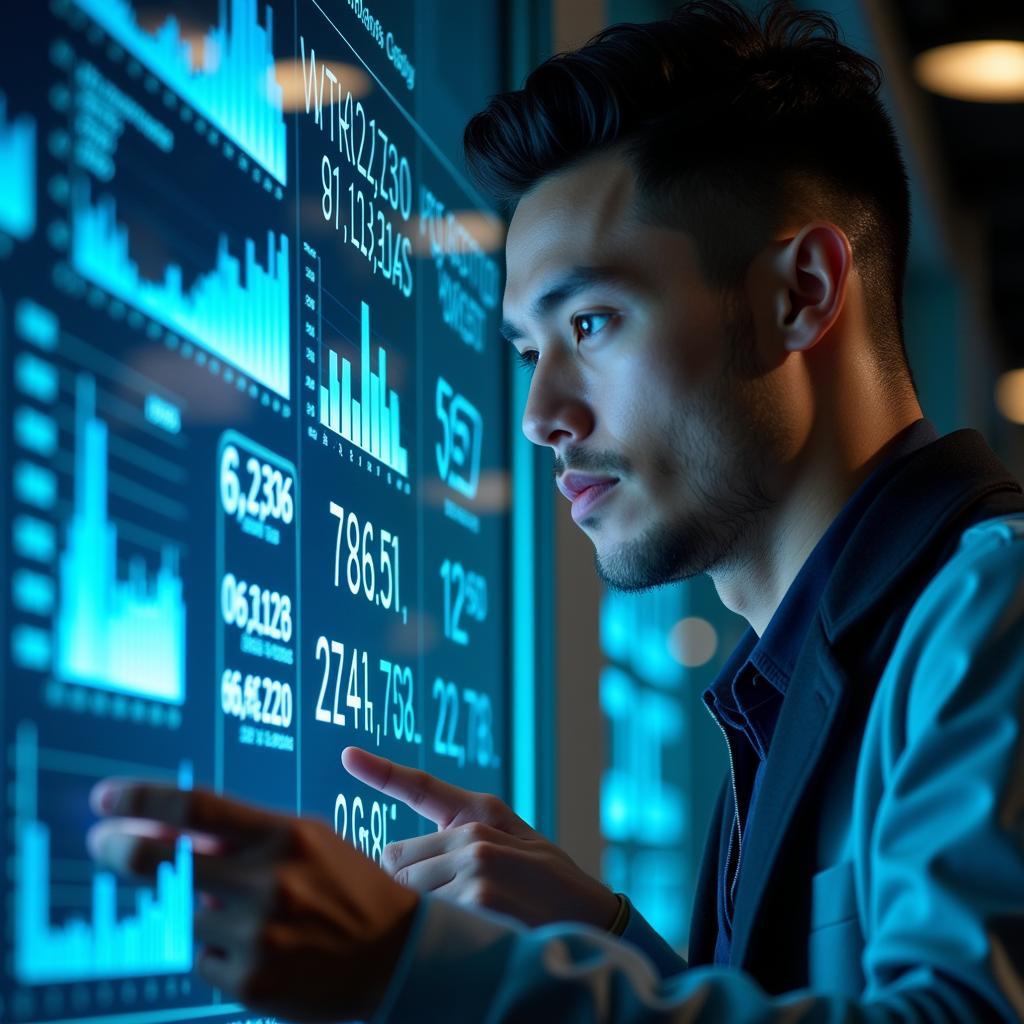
[
  {"x": 637, "y": 803},
  {"x": 32, "y": 592},
  {"x": 635, "y": 633},
  {"x": 35, "y": 432},
  {"x": 35, "y": 485},
  {"x": 34, "y": 538},
  {"x": 31, "y": 648},
  {"x": 35, "y": 378},
  {"x": 36, "y": 324},
  {"x": 17, "y": 174}
]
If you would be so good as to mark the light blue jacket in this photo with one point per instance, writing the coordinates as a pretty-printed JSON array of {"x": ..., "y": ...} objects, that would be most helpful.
[{"x": 916, "y": 897}]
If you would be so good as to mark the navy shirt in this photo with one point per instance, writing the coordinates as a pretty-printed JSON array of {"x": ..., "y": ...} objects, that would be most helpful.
[{"x": 746, "y": 696}]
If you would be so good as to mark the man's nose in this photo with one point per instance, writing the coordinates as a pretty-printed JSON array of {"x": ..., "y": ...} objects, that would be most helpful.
[{"x": 555, "y": 412}]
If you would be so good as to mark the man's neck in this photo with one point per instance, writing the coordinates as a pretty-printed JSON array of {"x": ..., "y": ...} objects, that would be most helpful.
[{"x": 756, "y": 579}]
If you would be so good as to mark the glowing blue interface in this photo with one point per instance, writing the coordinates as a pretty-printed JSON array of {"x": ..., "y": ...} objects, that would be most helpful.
[{"x": 254, "y": 446}]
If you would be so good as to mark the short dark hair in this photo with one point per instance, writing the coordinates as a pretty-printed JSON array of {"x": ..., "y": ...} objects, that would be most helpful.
[{"x": 732, "y": 123}]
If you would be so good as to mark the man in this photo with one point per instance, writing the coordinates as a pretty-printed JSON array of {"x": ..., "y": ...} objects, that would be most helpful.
[{"x": 705, "y": 264}]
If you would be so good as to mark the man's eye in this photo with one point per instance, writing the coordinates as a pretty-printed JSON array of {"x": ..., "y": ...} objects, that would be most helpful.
[
  {"x": 585, "y": 325},
  {"x": 527, "y": 360}
]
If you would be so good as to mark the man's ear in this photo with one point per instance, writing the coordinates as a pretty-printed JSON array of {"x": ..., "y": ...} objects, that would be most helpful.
[{"x": 811, "y": 272}]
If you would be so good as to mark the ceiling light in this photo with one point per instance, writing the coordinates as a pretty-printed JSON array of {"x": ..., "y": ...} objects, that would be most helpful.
[
  {"x": 1010, "y": 395},
  {"x": 693, "y": 641},
  {"x": 982, "y": 70}
]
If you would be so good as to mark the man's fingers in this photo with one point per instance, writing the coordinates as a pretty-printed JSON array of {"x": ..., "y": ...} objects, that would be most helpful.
[
  {"x": 228, "y": 929},
  {"x": 405, "y": 852},
  {"x": 439, "y": 801},
  {"x": 138, "y": 848},
  {"x": 195, "y": 809},
  {"x": 428, "y": 875},
  {"x": 222, "y": 971}
]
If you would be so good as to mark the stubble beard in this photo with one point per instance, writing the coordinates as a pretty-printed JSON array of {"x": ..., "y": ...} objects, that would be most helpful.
[{"x": 719, "y": 452}]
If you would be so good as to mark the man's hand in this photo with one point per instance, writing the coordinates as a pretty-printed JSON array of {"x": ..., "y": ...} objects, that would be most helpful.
[
  {"x": 296, "y": 922},
  {"x": 482, "y": 854}
]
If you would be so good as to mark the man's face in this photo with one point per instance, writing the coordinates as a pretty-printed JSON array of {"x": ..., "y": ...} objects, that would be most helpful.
[{"x": 641, "y": 376}]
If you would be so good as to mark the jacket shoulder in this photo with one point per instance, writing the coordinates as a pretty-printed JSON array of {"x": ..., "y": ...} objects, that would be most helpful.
[{"x": 963, "y": 636}]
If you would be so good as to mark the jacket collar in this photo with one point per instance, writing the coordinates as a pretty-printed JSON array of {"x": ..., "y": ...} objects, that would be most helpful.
[
  {"x": 915, "y": 510},
  {"x": 932, "y": 487}
]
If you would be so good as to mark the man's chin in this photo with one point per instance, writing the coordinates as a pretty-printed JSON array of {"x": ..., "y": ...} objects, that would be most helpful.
[
  {"x": 661, "y": 555},
  {"x": 624, "y": 573}
]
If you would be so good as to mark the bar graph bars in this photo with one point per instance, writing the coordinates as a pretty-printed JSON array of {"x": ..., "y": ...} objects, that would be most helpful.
[
  {"x": 155, "y": 939},
  {"x": 17, "y": 173},
  {"x": 371, "y": 422},
  {"x": 124, "y": 635},
  {"x": 244, "y": 321},
  {"x": 230, "y": 82}
]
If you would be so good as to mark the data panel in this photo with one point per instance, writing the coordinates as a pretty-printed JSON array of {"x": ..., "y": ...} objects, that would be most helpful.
[{"x": 254, "y": 441}]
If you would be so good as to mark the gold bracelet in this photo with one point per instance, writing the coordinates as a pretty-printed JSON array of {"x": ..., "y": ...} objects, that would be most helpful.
[{"x": 618, "y": 926}]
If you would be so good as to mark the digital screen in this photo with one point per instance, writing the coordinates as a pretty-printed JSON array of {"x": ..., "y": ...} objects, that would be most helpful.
[{"x": 254, "y": 446}]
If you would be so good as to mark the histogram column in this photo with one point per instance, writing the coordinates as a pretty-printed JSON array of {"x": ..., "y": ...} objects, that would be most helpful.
[
  {"x": 98, "y": 584},
  {"x": 238, "y": 310},
  {"x": 372, "y": 421},
  {"x": 232, "y": 83},
  {"x": 155, "y": 937},
  {"x": 122, "y": 634}
]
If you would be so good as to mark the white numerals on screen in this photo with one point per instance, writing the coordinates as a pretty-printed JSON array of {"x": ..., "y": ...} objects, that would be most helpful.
[
  {"x": 366, "y": 564},
  {"x": 465, "y": 595},
  {"x": 256, "y": 610},
  {"x": 400, "y": 712},
  {"x": 255, "y": 698},
  {"x": 353, "y": 680},
  {"x": 351, "y": 823},
  {"x": 346, "y": 695},
  {"x": 264, "y": 493},
  {"x": 473, "y": 742}
]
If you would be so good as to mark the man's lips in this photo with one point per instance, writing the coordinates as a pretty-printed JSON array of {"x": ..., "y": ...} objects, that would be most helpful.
[
  {"x": 574, "y": 484},
  {"x": 589, "y": 497}
]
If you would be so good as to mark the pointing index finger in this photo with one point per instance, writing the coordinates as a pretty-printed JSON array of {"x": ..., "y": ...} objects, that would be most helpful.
[
  {"x": 194, "y": 809},
  {"x": 426, "y": 794}
]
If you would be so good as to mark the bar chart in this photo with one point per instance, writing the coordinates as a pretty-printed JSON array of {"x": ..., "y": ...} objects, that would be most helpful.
[
  {"x": 371, "y": 422},
  {"x": 155, "y": 939},
  {"x": 17, "y": 173},
  {"x": 243, "y": 320},
  {"x": 230, "y": 82},
  {"x": 124, "y": 635}
]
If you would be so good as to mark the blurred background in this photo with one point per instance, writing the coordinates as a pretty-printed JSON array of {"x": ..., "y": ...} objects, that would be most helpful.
[{"x": 638, "y": 759}]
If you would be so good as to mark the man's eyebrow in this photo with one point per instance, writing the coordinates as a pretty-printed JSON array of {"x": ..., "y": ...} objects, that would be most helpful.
[{"x": 565, "y": 287}]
